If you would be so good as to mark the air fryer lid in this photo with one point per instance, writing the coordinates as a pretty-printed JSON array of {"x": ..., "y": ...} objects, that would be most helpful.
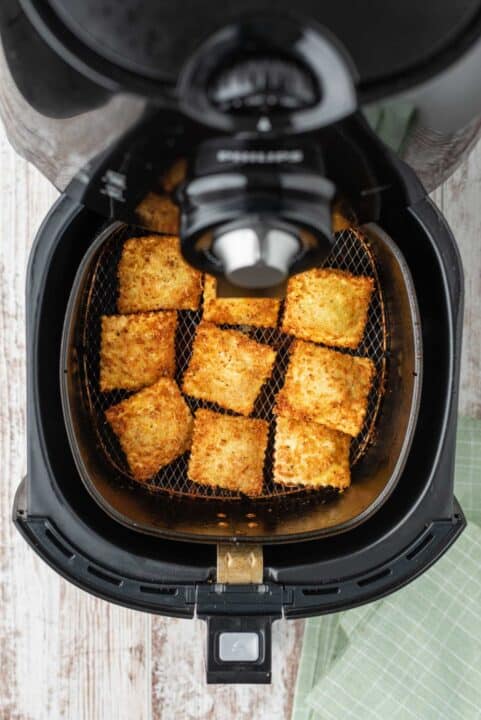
[
  {"x": 113, "y": 156},
  {"x": 388, "y": 41}
]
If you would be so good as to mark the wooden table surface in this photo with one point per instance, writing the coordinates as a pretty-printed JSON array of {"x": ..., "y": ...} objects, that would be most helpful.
[{"x": 65, "y": 654}]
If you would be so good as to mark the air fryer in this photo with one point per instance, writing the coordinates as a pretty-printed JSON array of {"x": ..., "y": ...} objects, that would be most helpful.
[{"x": 246, "y": 124}]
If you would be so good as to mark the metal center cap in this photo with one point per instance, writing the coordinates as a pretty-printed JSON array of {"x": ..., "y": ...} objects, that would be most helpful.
[{"x": 256, "y": 256}]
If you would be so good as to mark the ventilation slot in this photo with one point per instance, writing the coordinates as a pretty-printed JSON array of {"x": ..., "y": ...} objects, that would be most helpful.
[
  {"x": 103, "y": 576},
  {"x": 420, "y": 546},
  {"x": 59, "y": 545},
  {"x": 321, "y": 591},
  {"x": 158, "y": 590},
  {"x": 374, "y": 578}
]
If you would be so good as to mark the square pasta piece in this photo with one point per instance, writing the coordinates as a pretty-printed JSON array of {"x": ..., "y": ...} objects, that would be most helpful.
[
  {"x": 328, "y": 306},
  {"x": 326, "y": 387},
  {"x": 227, "y": 368},
  {"x": 228, "y": 452},
  {"x": 174, "y": 175},
  {"x": 158, "y": 212},
  {"x": 153, "y": 275},
  {"x": 259, "y": 312},
  {"x": 310, "y": 454},
  {"x": 154, "y": 427},
  {"x": 342, "y": 217},
  {"x": 136, "y": 350}
]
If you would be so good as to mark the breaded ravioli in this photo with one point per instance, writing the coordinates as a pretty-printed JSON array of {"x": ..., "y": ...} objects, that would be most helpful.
[
  {"x": 228, "y": 452},
  {"x": 159, "y": 213},
  {"x": 310, "y": 454},
  {"x": 174, "y": 175},
  {"x": 153, "y": 275},
  {"x": 259, "y": 312},
  {"x": 136, "y": 350},
  {"x": 342, "y": 217},
  {"x": 328, "y": 306},
  {"x": 326, "y": 387},
  {"x": 227, "y": 368},
  {"x": 154, "y": 427}
]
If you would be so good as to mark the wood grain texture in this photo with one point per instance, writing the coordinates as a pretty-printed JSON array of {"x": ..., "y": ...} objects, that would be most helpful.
[
  {"x": 460, "y": 199},
  {"x": 178, "y": 676},
  {"x": 64, "y": 654},
  {"x": 435, "y": 156}
]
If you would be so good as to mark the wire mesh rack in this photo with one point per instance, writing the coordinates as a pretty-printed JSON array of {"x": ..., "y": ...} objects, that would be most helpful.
[{"x": 351, "y": 252}]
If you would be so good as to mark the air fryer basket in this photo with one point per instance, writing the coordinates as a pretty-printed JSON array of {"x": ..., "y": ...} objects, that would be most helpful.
[{"x": 170, "y": 504}]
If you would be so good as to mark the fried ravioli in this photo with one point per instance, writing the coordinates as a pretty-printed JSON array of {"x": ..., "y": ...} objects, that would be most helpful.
[
  {"x": 259, "y": 312},
  {"x": 326, "y": 387},
  {"x": 136, "y": 350},
  {"x": 228, "y": 452},
  {"x": 328, "y": 306},
  {"x": 154, "y": 427},
  {"x": 310, "y": 454},
  {"x": 158, "y": 212},
  {"x": 153, "y": 275},
  {"x": 175, "y": 175},
  {"x": 227, "y": 368}
]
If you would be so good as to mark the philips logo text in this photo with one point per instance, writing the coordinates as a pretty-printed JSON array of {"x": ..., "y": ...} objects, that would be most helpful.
[{"x": 260, "y": 157}]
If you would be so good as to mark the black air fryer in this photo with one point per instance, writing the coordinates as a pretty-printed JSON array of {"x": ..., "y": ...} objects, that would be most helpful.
[{"x": 240, "y": 127}]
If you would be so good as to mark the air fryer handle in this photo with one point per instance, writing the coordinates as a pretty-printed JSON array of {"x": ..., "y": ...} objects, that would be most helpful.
[{"x": 239, "y": 649}]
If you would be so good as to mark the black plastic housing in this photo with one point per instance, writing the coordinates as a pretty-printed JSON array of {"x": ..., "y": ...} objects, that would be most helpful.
[
  {"x": 394, "y": 48},
  {"x": 232, "y": 179},
  {"x": 68, "y": 528},
  {"x": 65, "y": 525}
]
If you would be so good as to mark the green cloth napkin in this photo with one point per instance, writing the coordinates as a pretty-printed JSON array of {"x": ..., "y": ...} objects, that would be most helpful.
[
  {"x": 415, "y": 655},
  {"x": 392, "y": 121}
]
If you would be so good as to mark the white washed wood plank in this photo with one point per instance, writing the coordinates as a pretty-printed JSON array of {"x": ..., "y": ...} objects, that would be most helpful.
[
  {"x": 104, "y": 660},
  {"x": 461, "y": 203},
  {"x": 63, "y": 654},
  {"x": 178, "y": 676},
  {"x": 29, "y": 592}
]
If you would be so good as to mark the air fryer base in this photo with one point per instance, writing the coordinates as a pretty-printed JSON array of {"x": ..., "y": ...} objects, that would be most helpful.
[
  {"x": 63, "y": 524},
  {"x": 238, "y": 608}
]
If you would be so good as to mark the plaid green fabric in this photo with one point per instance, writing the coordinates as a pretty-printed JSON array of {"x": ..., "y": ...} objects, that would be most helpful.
[
  {"x": 392, "y": 122},
  {"x": 415, "y": 655}
]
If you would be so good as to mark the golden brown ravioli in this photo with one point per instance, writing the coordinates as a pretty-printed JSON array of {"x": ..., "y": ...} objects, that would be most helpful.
[
  {"x": 326, "y": 387},
  {"x": 228, "y": 452},
  {"x": 153, "y": 275},
  {"x": 227, "y": 368},
  {"x": 154, "y": 427},
  {"x": 328, "y": 306},
  {"x": 135, "y": 350}
]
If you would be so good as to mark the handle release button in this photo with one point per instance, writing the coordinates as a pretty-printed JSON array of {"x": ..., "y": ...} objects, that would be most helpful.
[{"x": 239, "y": 646}]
